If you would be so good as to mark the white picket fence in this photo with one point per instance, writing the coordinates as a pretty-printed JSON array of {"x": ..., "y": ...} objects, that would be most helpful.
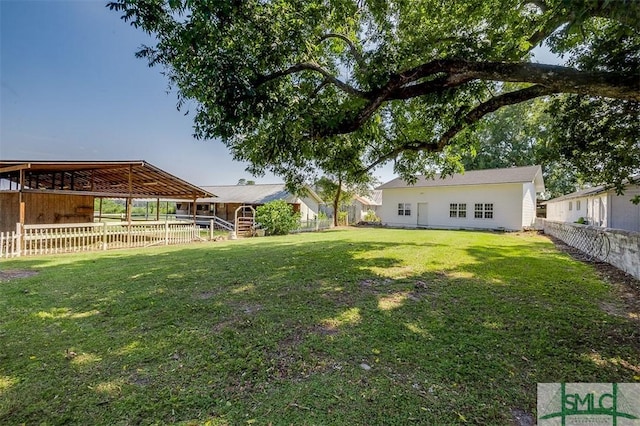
[{"x": 76, "y": 237}]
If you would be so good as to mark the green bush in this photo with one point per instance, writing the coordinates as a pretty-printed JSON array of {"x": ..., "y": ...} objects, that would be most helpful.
[
  {"x": 277, "y": 217},
  {"x": 342, "y": 218},
  {"x": 581, "y": 220},
  {"x": 371, "y": 216}
]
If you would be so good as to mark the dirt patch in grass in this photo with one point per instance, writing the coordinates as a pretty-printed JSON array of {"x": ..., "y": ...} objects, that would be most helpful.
[
  {"x": 206, "y": 295},
  {"x": 522, "y": 418},
  {"x": 626, "y": 286},
  {"x": 11, "y": 274}
]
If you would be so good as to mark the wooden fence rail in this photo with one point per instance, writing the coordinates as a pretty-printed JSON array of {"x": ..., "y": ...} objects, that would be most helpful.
[{"x": 76, "y": 237}]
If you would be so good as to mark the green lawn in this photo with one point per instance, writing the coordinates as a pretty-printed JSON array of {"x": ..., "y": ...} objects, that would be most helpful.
[{"x": 455, "y": 326}]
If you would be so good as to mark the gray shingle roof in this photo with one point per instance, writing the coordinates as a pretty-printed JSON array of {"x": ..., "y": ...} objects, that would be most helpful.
[
  {"x": 477, "y": 177},
  {"x": 251, "y": 194},
  {"x": 374, "y": 198},
  {"x": 578, "y": 194},
  {"x": 634, "y": 180}
]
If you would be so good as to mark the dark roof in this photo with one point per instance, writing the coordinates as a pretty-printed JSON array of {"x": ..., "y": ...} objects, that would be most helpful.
[
  {"x": 477, "y": 177},
  {"x": 117, "y": 179},
  {"x": 253, "y": 194}
]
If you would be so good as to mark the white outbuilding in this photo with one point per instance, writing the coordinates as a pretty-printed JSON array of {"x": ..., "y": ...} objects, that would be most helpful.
[
  {"x": 598, "y": 206},
  {"x": 479, "y": 199}
]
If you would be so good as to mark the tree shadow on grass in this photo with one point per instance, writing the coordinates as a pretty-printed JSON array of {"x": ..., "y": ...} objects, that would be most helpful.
[{"x": 288, "y": 331}]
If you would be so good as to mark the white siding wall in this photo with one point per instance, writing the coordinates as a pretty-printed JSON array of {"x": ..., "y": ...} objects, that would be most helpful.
[
  {"x": 308, "y": 208},
  {"x": 623, "y": 213},
  {"x": 528, "y": 204},
  {"x": 555, "y": 211},
  {"x": 506, "y": 198},
  {"x": 597, "y": 207},
  {"x": 607, "y": 210},
  {"x": 569, "y": 210},
  {"x": 579, "y": 209}
]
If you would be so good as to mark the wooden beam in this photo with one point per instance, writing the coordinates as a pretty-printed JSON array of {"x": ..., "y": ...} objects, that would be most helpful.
[
  {"x": 129, "y": 199},
  {"x": 122, "y": 195},
  {"x": 15, "y": 168},
  {"x": 21, "y": 198}
]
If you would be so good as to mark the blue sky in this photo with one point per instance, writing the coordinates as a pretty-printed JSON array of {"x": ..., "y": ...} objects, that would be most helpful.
[{"x": 71, "y": 89}]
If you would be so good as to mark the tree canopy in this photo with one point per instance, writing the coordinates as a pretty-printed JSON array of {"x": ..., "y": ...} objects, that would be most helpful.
[
  {"x": 293, "y": 86},
  {"x": 522, "y": 136}
]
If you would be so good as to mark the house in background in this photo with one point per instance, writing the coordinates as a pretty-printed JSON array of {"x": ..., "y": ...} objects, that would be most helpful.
[
  {"x": 230, "y": 197},
  {"x": 479, "y": 199},
  {"x": 598, "y": 206},
  {"x": 361, "y": 205}
]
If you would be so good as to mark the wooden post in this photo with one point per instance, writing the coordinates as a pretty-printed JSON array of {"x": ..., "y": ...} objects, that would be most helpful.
[
  {"x": 20, "y": 225},
  {"x": 129, "y": 205},
  {"x": 157, "y": 209},
  {"x": 166, "y": 233},
  {"x": 211, "y": 229},
  {"x": 104, "y": 234}
]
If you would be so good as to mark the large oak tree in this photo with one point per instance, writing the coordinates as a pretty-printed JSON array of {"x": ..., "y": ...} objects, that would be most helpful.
[{"x": 293, "y": 85}]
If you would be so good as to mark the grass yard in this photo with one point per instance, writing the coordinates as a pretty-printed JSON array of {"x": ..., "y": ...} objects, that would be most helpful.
[{"x": 371, "y": 326}]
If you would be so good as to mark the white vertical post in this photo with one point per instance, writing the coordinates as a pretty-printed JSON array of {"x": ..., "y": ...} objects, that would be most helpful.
[
  {"x": 18, "y": 247},
  {"x": 104, "y": 235},
  {"x": 166, "y": 233},
  {"x": 211, "y": 229}
]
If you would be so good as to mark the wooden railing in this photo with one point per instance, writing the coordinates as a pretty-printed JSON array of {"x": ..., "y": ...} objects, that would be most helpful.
[
  {"x": 207, "y": 221},
  {"x": 76, "y": 237}
]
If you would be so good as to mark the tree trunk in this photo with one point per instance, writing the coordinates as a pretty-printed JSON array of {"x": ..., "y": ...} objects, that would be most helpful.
[{"x": 336, "y": 202}]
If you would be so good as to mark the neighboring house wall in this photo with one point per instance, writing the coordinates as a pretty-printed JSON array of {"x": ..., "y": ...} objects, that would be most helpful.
[
  {"x": 596, "y": 214},
  {"x": 528, "y": 204},
  {"x": 573, "y": 209},
  {"x": 309, "y": 208},
  {"x": 602, "y": 208},
  {"x": 432, "y": 206},
  {"x": 623, "y": 213},
  {"x": 358, "y": 211}
]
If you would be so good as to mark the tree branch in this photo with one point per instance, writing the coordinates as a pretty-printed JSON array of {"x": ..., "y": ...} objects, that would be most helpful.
[
  {"x": 561, "y": 79},
  {"x": 309, "y": 66},
  {"x": 352, "y": 47},
  {"x": 556, "y": 79},
  {"x": 469, "y": 118}
]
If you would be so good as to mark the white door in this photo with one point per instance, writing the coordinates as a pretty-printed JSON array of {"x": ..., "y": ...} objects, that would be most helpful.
[{"x": 422, "y": 214}]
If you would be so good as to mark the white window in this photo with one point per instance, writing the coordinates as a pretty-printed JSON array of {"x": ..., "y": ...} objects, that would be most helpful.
[
  {"x": 578, "y": 205},
  {"x": 458, "y": 210},
  {"x": 483, "y": 211},
  {"x": 570, "y": 205},
  {"x": 404, "y": 209}
]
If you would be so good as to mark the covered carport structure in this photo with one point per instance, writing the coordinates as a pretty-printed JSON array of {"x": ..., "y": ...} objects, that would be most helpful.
[{"x": 38, "y": 192}]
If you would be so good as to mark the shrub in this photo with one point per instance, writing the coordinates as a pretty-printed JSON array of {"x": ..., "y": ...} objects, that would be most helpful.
[
  {"x": 581, "y": 220},
  {"x": 371, "y": 216},
  {"x": 277, "y": 217},
  {"x": 342, "y": 218}
]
